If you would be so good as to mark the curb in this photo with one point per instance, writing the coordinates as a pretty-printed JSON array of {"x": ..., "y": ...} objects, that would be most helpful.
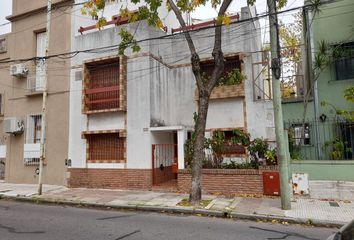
[{"x": 179, "y": 210}]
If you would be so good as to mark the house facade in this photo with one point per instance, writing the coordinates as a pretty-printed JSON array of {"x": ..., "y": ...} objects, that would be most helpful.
[
  {"x": 324, "y": 152},
  {"x": 130, "y": 116},
  {"x": 22, "y": 78}
]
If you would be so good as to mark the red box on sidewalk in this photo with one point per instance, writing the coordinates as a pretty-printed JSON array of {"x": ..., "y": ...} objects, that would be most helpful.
[{"x": 271, "y": 183}]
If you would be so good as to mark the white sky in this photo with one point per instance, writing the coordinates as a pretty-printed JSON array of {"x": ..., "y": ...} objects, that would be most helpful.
[
  {"x": 203, "y": 12},
  {"x": 5, "y": 10}
]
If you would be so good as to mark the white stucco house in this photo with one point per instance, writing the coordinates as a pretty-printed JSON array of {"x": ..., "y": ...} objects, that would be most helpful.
[{"x": 130, "y": 115}]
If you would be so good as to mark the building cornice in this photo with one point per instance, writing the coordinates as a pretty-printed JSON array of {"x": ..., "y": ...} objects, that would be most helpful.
[{"x": 13, "y": 18}]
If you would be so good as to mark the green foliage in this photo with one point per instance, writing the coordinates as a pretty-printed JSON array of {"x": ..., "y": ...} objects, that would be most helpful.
[
  {"x": 258, "y": 148},
  {"x": 349, "y": 94},
  {"x": 337, "y": 148},
  {"x": 234, "y": 165},
  {"x": 127, "y": 39},
  {"x": 233, "y": 77},
  {"x": 271, "y": 157},
  {"x": 337, "y": 151},
  {"x": 294, "y": 150},
  {"x": 240, "y": 137}
]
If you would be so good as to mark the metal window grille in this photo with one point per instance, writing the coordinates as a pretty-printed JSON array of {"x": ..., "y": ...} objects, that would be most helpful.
[
  {"x": 105, "y": 147},
  {"x": 33, "y": 135},
  {"x": 344, "y": 61},
  {"x": 230, "y": 64},
  {"x": 103, "y": 87}
]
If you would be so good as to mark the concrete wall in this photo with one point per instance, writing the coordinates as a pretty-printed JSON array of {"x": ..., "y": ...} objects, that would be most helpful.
[
  {"x": 22, "y": 44},
  {"x": 325, "y": 170}
]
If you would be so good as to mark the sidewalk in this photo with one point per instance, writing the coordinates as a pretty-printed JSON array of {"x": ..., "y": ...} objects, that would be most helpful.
[{"x": 318, "y": 212}]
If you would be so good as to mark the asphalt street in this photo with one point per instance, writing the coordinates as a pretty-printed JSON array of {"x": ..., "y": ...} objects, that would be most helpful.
[{"x": 27, "y": 221}]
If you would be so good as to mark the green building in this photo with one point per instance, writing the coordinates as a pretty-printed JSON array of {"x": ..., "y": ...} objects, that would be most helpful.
[{"x": 322, "y": 142}]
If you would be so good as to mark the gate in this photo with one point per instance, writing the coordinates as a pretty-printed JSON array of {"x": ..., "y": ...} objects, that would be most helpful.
[
  {"x": 2, "y": 168},
  {"x": 164, "y": 163}
]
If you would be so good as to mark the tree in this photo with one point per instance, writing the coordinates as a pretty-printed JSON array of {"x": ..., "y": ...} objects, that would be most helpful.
[{"x": 205, "y": 84}]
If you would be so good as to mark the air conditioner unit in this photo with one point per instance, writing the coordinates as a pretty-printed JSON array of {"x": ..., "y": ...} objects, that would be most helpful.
[
  {"x": 14, "y": 125},
  {"x": 18, "y": 70}
]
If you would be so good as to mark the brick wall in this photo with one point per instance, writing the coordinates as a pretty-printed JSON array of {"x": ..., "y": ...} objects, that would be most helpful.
[
  {"x": 225, "y": 181},
  {"x": 110, "y": 178}
]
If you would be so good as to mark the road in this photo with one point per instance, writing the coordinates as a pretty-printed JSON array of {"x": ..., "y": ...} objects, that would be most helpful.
[{"x": 36, "y": 222}]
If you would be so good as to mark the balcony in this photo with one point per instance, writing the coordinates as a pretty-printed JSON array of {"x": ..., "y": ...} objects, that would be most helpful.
[
  {"x": 228, "y": 91},
  {"x": 35, "y": 84}
]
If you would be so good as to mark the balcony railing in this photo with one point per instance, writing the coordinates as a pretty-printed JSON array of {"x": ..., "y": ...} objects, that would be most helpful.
[
  {"x": 102, "y": 98},
  {"x": 35, "y": 83}
]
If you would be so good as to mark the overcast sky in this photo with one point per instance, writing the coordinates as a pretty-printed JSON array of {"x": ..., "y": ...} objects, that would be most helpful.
[
  {"x": 201, "y": 13},
  {"x": 5, "y": 10}
]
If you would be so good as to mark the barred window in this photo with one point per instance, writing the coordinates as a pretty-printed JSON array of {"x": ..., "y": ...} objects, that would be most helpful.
[
  {"x": 102, "y": 85},
  {"x": 344, "y": 61},
  {"x": 105, "y": 147}
]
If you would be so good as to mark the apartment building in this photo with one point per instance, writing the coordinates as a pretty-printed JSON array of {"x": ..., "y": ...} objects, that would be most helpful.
[{"x": 22, "y": 82}]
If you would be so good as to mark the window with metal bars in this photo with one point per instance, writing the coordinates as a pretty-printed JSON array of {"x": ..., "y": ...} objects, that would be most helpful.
[
  {"x": 34, "y": 128},
  {"x": 33, "y": 137},
  {"x": 102, "y": 85},
  {"x": 344, "y": 61},
  {"x": 230, "y": 64},
  {"x": 105, "y": 147}
]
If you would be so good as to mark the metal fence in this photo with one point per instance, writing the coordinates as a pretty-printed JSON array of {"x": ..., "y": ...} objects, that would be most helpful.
[
  {"x": 331, "y": 139},
  {"x": 164, "y": 157}
]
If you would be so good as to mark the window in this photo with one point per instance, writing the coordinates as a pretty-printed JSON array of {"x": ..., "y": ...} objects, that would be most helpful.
[
  {"x": 230, "y": 64},
  {"x": 34, "y": 128},
  {"x": 101, "y": 84},
  {"x": 3, "y": 47},
  {"x": 36, "y": 84},
  {"x": 344, "y": 61},
  {"x": 297, "y": 134},
  {"x": 33, "y": 138},
  {"x": 106, "y": 147}
]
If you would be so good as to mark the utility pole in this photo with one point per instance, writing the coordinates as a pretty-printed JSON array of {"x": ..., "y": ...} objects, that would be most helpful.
[
  {"x": 44, "y": 101},
  {"x": 278, "y": 114}
]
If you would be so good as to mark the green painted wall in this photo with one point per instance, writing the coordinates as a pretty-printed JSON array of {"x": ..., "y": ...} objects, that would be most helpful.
[
  {"x": 333, "y": 24},
  {"x": 325, "y": 170}
]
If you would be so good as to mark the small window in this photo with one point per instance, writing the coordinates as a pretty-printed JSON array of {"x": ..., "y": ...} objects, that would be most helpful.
[
  {"x": 106, "y": 147},
  {"x": 3, "y": 47},
  {"x": 344, "y": 61},
  {"x": 34, "y": 128},
  {"x": 298, "y": 131}
]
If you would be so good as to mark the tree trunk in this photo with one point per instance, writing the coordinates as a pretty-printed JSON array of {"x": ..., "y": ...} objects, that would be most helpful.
[{"x": 199, "y": 154}]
